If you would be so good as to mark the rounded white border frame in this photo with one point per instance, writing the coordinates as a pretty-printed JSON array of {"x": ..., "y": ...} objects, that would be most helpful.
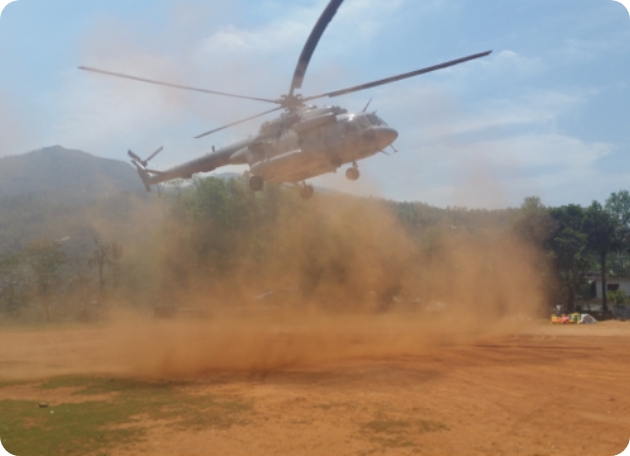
[
  {"x": 4, "y": 452},
  {"x": 3, "y": 5},
  {"x": 625, "y": 3}
]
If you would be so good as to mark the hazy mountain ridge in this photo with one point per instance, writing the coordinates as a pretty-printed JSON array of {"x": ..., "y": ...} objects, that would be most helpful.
[
  {"x": 58, "y": 193},
  {"x": 65, "y": 174}
]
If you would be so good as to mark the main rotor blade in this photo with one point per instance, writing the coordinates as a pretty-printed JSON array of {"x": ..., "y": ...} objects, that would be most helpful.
[
  {"x": 237, "y": 122},
  {"x": 311, "y": 44},
  {"x": 177, "y": 86},
  {"x": 380, "y": 82}
]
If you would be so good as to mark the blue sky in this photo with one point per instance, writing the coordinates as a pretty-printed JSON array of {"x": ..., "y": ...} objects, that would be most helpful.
[{"x": 546, "y": 114}]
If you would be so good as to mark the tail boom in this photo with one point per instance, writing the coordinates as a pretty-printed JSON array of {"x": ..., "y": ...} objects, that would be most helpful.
[{"x": 207, "y": 163}]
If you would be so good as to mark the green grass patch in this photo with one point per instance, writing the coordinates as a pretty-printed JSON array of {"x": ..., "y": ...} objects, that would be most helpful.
[
  {"x": 398, "y": 433},
  {"x": 68, "y": 429},
  {"x": 97, "y": 426}
]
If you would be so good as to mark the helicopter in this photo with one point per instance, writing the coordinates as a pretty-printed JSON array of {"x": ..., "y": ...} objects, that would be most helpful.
[{"x": 305, "y": 141}]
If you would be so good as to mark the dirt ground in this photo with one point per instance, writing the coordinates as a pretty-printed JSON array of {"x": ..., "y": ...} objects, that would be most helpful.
[{"x": 541, "y": 390}]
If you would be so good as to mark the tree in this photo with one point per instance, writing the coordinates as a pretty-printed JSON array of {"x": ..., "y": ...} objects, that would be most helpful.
[
  {"x": 603, "y": 237},
  {"x": 533, "y": 222},
  {"x": 568, "y": 250},
  {"x": 618, "y": 206},
  {"x": 104, "y": 256},
  {"x": 45, "y": 258},
  {"x": 177, "y": 185},
  {"x": 12, "y": 284}
]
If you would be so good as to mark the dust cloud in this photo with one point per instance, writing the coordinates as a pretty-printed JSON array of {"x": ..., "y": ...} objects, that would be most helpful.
[{"x": 346, "y": 281}]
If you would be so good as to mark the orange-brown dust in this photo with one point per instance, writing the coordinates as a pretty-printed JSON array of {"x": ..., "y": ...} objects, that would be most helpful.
[{"x": 344, "y": 281}]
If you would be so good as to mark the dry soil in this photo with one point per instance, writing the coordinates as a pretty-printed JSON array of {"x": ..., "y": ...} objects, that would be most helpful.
[{"x": 541, "y": 390}]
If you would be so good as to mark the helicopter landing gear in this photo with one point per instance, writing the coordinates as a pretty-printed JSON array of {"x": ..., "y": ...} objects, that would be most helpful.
[
  {"x": 307, "y": 192},
  {"x": 353, "y": 173},
  {"x": 256, "y": 183}
]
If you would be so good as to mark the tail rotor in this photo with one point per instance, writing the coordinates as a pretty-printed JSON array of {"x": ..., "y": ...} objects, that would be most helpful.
[
  {"x": 144, "y": 163},
  {"x": 141, "y": 167}
]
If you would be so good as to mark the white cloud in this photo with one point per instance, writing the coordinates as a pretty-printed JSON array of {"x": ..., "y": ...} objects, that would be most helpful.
[
  {"x": 271, "y": 38},
  {"x": 432, "y": 113},
  {"x": 498, "y": 172},
  {"x": 357, "y": 22}
]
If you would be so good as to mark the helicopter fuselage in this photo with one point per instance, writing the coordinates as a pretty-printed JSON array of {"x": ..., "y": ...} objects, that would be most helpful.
[{"x": 294, "y": 147}]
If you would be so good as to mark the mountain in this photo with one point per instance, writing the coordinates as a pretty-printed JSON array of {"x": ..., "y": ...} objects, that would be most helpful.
[
  {"x": 63, "y": 174},
  {"x": 56, "y": 193}
]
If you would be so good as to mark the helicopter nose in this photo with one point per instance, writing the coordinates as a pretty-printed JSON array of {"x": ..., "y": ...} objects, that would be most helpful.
[{"x": 385, "y": 136}]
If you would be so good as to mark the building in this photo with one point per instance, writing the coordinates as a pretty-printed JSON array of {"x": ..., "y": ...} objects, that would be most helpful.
[{"x": 612, "y": 284}]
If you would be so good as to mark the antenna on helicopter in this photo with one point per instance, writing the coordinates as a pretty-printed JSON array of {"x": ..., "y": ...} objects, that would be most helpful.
[{"x": 367, "y": 105}]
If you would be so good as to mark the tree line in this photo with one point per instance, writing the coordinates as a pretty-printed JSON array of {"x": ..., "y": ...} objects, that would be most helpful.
[
  {"x": 216, "y": 238},
  {"x": 577, "y": 240}
]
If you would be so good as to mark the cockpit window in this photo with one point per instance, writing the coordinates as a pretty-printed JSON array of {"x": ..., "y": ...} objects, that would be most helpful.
[
  {"x": 364, "y": 122},
  {"x": 375, "y": 120}
]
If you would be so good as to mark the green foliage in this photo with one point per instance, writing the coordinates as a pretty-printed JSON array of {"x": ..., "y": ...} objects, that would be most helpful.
[
  {"x": 568, "y": 251},
  {"x": 44, "y": 258},
  {"x": 618, "y": 205},
  {"x": 604, "y": 235},
  {"x": 46, "y": 274},
  {"x": 602, "y": 230},
  {"x": 68, "y": 429},
  {"x": 13, "y": 289},
  {"x": 533, "y": 223},
  {"x": 213, "y": 228},
  {"x": 200, "y": 238},
  {"x": 96, "y": 425},
  {"x": 105, "y": 255},
  {"x": 616, "y": 297}
]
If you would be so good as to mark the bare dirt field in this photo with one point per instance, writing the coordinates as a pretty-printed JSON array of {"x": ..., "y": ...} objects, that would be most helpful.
[{"x": 539, "y": 390}]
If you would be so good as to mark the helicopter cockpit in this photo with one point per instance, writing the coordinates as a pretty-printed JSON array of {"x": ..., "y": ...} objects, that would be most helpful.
[
  {"x": 371, "y": 120},
  {"x": 374, "y": 120},
  {"x": 359, "y": 122}
]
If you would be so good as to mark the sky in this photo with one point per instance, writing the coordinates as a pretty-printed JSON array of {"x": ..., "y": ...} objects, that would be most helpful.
[{"x": 545, "y": 115}]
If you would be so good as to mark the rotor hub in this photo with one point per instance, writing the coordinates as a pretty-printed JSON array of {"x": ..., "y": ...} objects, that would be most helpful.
[{"x": 291, "y": 102}]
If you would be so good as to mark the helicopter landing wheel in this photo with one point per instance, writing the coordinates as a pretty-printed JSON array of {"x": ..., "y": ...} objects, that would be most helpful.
[
  {"x": 256, "y": 183},
  {"x": 307, "y": 192},
  {"x": 353, "y": 174}
]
